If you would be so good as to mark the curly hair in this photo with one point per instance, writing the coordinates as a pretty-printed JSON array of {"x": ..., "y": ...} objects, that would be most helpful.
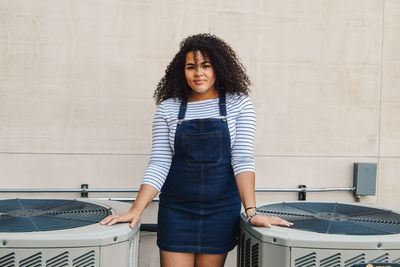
[{"x": 230, "y": 73}]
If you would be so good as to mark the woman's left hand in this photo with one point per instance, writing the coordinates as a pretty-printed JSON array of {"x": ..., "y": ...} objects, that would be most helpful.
[{"x": 268, "y": 221}]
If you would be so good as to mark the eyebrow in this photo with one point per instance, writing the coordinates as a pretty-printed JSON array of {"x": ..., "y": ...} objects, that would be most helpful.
[{"x": 204, "y": 62}]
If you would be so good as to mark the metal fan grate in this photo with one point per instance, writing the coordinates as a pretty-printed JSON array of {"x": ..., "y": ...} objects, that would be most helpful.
[
  {"x": 29, "y": 215},
  {"x": 336, "y": 218}
]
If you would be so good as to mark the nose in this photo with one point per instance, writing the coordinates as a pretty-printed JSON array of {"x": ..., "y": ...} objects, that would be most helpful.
[{"x": 198, "y": 71}]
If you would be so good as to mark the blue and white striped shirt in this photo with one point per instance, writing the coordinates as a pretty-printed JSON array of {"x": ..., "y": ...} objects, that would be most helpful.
[{"x": 242, "y": 126}]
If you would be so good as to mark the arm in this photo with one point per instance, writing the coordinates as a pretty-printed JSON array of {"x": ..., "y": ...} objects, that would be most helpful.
[
  {"x": 155, "y": 174},
  {"x": 243, "y": 163},
  {"x": 245, "y": 182}
]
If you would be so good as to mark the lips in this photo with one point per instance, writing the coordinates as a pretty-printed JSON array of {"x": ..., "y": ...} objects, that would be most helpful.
[{"x": 199, "y": 81}]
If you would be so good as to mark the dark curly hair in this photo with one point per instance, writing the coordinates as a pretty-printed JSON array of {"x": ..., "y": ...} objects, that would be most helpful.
[{"x": 230, "y": 73}]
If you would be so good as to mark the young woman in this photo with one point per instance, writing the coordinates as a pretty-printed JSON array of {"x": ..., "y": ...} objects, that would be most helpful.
[{"x": 202, "y": 156}]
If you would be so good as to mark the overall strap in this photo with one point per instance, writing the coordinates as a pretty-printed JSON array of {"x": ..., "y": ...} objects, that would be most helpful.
[
  {"x": 222, "y": 104},
  {"x": 182, "y": 109}
]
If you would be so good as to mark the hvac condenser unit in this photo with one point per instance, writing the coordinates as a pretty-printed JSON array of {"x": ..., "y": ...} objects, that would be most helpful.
[
  {"x": 323, "y": 234},
  {"x": 58, "y": 233}
]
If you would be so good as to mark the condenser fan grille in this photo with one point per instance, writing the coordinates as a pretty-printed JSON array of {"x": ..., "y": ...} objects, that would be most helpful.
[
  {"x": 336, "y": 218},
  {"x": 29, "y": 215}
]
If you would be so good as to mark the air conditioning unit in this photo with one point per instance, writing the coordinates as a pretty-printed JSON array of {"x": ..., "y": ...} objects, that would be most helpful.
[
  {"x": 323, "y": 234},
  {"x": 65, "y": 232}
]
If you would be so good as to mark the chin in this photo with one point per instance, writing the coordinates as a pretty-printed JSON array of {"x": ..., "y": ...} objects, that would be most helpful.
[{"x": 200, "y": 91}]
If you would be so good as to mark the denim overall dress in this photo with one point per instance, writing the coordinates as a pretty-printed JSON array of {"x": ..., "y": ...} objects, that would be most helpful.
[{"x": 199, "y": 202}]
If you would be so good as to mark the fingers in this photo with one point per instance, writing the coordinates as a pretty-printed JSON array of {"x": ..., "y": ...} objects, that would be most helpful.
[
  {"x": 133, "y": 223},
  {"x": 282, "y": 222},
  {"x": 268, "y": 225},
  {"x": 105, "y": 220},
  {"x": 110, "y": 220},
  {"x": 113, "y": 221},
  {"x": 123, "y": 217},
  {"x": 268, "y": 221}
]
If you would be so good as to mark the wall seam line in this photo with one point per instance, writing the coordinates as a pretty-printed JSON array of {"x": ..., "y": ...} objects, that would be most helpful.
[
  {"x": 380, "y": 101},
  {"x": 148, "y": 154}
]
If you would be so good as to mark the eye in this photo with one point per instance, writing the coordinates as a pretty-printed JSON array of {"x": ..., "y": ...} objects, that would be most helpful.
[
  {"x": 206, "y": 66},
  {"x": 189, "y": 67}
]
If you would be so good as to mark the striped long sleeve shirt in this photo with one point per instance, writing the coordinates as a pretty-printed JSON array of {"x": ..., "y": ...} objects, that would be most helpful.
[{"x": 241, "y": 119}]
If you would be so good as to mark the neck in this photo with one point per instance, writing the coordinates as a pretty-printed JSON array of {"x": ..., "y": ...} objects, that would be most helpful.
[{"x": 194, "y": 96}]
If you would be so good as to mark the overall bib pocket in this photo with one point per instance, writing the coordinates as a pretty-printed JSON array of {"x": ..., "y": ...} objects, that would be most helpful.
[{"x": 203, "y": 148}]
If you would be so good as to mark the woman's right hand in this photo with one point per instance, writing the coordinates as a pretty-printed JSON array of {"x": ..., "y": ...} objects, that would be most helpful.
[
  {"x": 129, "y": 216},
  {"x": 144, "y": 198}
]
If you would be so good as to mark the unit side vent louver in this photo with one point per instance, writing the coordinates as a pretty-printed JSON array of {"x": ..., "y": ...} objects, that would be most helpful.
[
  {"x": 8, "y": 260},
  {"x": 306, "y": 261},
  {"x": 254, "y": 255},
  {"x": 383, "y": 258},
  {"x": 32, "y": 261},
  {"x": 396, "y": 260},
  {"x": 336, "y": 218},
  {"x": 357, "y": 259},
  {"x": 28, "y": 215},
  {"x": 247, "y": 253},
  {"x": 60, "y": 260},
  {"x": 86, "y": 260},
  {"x": 332, "y": 261},
  {"x": 241, "y": 251}
]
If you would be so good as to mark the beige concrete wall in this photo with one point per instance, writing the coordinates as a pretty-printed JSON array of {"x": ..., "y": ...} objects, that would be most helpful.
[{"x": 77, "y": 77}]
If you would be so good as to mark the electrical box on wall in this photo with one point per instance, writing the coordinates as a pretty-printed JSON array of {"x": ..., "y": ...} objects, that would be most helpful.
[{"x": 365, "y": 179}]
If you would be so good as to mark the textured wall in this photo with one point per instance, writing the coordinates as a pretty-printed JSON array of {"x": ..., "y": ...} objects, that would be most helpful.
[{"x": 77, "y": 77}]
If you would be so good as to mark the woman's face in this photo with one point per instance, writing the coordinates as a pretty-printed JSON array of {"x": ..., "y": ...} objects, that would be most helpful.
[{"x": 200, "y": 75}]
